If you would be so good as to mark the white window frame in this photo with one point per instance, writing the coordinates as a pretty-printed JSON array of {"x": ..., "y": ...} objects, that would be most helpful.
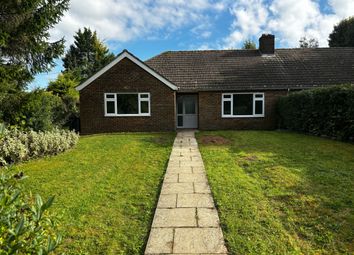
[
  {"x": 140, "y": 99},
  {"x": 231, "y": 99}
]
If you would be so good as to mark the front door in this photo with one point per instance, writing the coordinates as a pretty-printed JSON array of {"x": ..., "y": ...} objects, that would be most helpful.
[{"x": 187, "y": 111}]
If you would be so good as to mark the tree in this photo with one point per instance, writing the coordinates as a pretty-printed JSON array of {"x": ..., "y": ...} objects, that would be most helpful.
[
  {"x": 64, "y": 87},
  {"x": 305, "y": 42},
  {"x": 342, "y": 34},
  {"x": 25, "y": 49},
  {"x": 87, "y": 55},
  {"x": 249, "y": 45}
]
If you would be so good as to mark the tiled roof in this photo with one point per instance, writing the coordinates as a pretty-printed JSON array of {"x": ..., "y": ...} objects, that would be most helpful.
[{"x": 248, "y": 69}]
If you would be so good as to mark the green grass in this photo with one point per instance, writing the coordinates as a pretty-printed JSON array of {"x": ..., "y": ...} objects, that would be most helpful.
[
  {"x": 282, "y": 193},
  {"x": 106, "y": 190}
]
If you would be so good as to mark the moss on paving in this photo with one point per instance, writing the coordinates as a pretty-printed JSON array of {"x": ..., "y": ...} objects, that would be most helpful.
[
  {"x": 282, "y": 193},
  {"x": 106, "y": 190}
]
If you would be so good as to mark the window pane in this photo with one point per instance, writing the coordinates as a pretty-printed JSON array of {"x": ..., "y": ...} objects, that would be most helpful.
[
  {"x": 110, "y": 96},
  {"x": 227, "y": 96},
  {"x": 127, "y": 103},
  {"x": 227, "y": 107},
  {"x": 259, "y": 107},
  {"x": 144, "y": 106},
  {"x": 144, "y": 95},
  {"x": 189, "y": 106},
  {"x": 259, "y": 95},
  {"x": 110, "y": 107},
  {"x": 180, "y": 121},
  {"x": 243, "y": 104},
  {"x": 180, "y": 107}
]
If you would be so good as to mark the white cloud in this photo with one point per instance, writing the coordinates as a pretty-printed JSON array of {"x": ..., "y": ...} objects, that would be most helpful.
[
  {"x": 343, "y": 8},
  {"x": 287, "y": 19},
  {"x": 250, "y": 17},
  {"x": 126, "y": 20}
]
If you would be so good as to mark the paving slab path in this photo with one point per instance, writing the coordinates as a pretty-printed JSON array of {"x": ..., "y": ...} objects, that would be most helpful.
[{"x": 185, "y": 221}]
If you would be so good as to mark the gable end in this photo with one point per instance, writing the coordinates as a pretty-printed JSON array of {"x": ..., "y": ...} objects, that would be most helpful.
[{"x": 135, "y": 60}]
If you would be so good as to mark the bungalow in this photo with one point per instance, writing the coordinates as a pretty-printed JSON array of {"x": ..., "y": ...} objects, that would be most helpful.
[{"x": 208, "y": 90}]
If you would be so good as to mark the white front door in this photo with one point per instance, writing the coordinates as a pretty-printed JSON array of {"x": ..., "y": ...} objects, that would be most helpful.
[{"x": 187, "y": 111}]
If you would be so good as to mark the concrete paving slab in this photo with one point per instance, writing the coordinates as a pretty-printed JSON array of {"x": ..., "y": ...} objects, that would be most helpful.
[
  {"x": 198, "y": 240},
  {"x": 170, "y": 177},
  {"x": 167, "y": 201},
  {"x": 195, "y": 177},
  {"x": 207, "y": 217},
  {"x": 177, "y": 217},
  {"x": 195, "y": 200},
  {"x": 160, "y": 241},
  {"x": 201, "y": 188},
  {"x": 177, "y": 188}
]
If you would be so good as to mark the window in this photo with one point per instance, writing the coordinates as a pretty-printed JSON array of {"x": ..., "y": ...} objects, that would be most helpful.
[
  {"x": 242, "y": 105},
  {"x": 127, "y": 104}
]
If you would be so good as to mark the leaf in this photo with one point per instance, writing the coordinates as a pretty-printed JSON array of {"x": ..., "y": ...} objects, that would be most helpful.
[
  {"x": 14, "y": 197},
  {"x": 19, "y": 227},
  {"x": 48, "y": 203}
]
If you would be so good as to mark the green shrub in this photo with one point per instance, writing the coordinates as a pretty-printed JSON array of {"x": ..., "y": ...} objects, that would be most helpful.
[
  {"x": 17, "y": 145},
  {"x": 26, "y": 227},
  {"x": 38, "y": 110},
  {"x": 321, "y": 111}
]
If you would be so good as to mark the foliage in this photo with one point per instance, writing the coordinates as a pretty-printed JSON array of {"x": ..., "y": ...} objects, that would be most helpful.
[
  {"x": 282, "y": 192},
  {"x": 106, "y": 190},
  {"x": 323, "y": 111},
  {"x": 37, "y": 110},
  {"x": 249, "y": 45},
  {"x": 343, "y": 34},
  {"x": 26, "y": 227},
  {"x": 25, "y": 49},
  {"x": 2, "y": 129},
  {"x": 17, "y": 146},
  {"x": 65, "y": 85},
  {"x": 305, "y": 42},
  {"x": 87, "y": 55}
]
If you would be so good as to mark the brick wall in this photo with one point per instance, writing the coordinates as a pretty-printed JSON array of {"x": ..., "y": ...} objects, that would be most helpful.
[
  {"x": 126, "y": 77},
  {"x": 210, "y": 113}
]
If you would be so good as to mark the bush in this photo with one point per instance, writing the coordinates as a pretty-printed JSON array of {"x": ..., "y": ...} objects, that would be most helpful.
[
  {"x": 40, "y": 110},
  {"x": 322, "y": 111},
  {"x": 25, "y": 225},
  {"x": 32, "y": 110},
  {"x": 17, "y": 146}
]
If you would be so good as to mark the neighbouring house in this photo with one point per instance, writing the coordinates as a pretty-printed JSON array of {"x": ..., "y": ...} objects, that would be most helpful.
[{"x": 208, "y": 90}]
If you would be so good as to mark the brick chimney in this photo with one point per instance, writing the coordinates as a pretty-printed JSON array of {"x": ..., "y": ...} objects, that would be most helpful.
[{"x": 266, "y": 44}]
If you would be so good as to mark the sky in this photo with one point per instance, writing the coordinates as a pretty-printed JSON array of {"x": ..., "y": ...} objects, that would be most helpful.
[{"x": 149, "y": 27}]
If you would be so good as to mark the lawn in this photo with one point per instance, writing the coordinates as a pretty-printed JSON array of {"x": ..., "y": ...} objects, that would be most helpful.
[
  {"x": 106, "y": 190},
  {"x": 280, "y": 192}
]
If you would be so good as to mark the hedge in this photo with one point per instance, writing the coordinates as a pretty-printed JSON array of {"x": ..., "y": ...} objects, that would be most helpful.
[
  {"x": 321, "y": 111},
  {"x": 17, "y": 145}
]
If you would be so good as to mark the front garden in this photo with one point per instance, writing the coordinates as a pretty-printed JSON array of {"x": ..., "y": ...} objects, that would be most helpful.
[
  {"x": 105, "y": 189},
  {"x": 280, "y": 192}
]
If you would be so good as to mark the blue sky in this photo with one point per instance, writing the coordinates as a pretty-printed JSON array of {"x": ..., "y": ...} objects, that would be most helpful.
[{"x": 149, "y": 27}]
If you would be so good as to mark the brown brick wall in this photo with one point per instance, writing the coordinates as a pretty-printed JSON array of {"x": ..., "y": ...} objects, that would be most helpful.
[
  {"x": 126, "y": 77},
  {"x": 210, "y": 113}
]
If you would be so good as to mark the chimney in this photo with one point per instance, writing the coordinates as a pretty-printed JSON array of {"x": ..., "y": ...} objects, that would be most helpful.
[{"x": 266, "y": 44}]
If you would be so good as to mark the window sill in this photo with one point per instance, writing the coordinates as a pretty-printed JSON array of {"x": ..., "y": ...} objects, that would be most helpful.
[
  {"x": 127, "y": 115},
  {"x": 241, "y": 116}
]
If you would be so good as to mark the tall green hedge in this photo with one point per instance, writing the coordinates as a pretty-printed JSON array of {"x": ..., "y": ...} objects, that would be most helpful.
[{"x": 322, "y": 111}]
